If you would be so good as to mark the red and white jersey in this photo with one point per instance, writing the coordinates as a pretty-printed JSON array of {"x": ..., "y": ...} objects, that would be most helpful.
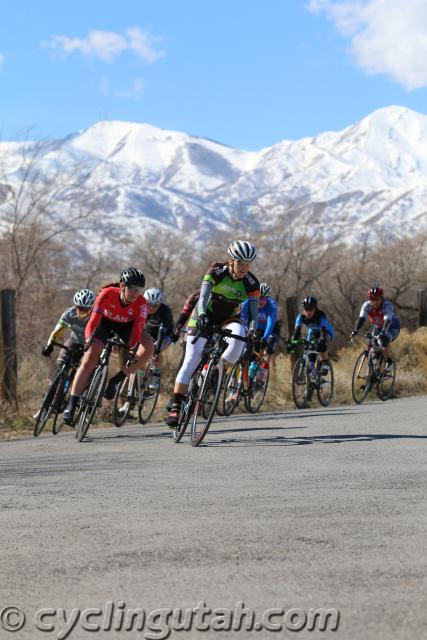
[
  {"x": 109, "y": 306},
  {"x": 379, "y": 316}
]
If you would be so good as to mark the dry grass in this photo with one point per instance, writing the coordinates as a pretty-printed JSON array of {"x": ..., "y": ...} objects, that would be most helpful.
[{"x": 410, "y": 350}]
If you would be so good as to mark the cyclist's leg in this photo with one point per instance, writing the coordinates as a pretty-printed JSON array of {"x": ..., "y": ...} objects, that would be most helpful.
[
  {"x": 81, "y": 379},
  {"x": 271, "y": 347},
  {"x": 387, "y": 337},
  {"x": 235, "y": 347}
]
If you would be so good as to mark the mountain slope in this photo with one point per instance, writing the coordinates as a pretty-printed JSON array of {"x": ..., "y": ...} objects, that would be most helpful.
[{"x": 371, "y": 175}]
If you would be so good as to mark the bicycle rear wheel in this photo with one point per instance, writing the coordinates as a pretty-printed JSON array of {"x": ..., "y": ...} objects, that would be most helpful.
[
  {"x": 361, "y": 379},
  {"x": 206, "y": 402},
  {"x": 124, "y": 400},
  {"x": 150, "y": 389},
  {"x": 325, "y": 389},
  {"x": 233, "y": 388},
  {"x": 91, "y": 402},
  {"x": 49, "y": 404},
  {"x": 387, "y": 378},
  {"x": 300, "y": 384}
]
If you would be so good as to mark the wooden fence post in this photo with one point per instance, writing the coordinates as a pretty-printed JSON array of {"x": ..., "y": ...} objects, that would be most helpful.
[
  {"x": 9, "y": 368},
  {"x": 422, "y": 307}
]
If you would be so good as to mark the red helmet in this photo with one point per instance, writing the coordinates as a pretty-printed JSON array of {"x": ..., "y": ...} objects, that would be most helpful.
[{"x": 375, "y": 293}]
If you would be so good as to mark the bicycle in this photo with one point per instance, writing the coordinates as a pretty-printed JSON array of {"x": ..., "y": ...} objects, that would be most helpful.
[
  {"x": 205, "y": 388},
  {"x": 141, "y": 389},
  {"x": 55, "y": 398},
  {"x": 371, "y": 368},
  {"x": 310, "y": 375},
  {"x": 92, "y": 399},
  {"x": 248, "y": 377}
]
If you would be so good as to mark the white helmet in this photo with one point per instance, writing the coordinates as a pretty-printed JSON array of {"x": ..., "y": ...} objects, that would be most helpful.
[
  {"x": 154, "y": 296},
  {"x": 264, "y": 289},
  {"x": 84, "y": 298},
  {"x": 242, "y": 250}
]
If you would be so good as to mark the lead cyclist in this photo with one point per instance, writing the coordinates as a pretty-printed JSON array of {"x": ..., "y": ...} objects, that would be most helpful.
[{"x": 224, "y": 287}]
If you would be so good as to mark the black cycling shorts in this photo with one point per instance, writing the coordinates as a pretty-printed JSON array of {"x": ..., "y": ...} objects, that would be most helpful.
[{"x": 107, "y": 328}]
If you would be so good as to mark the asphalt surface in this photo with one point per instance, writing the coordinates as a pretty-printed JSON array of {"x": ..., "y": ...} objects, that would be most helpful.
[{"x": 296, "y": 511}]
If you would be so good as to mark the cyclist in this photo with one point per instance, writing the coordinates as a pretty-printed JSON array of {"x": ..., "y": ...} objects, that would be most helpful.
[
  {"x": 75, "y": 320},
  {"x": 318, "y": 327},
  {"x": 119, "y": 308},
  {"x": 380, "y": 313},
  {"x": 159, "y": 313},
  {"x": 267, "y": 320},
  {"x": 224, "y": 287}
]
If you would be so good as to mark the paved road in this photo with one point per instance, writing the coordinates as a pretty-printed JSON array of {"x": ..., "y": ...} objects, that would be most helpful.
[{"x": 295, "y": 511}]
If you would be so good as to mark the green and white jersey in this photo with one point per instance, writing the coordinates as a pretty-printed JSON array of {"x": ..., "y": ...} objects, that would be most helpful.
[{"x": 227, "y": 294}]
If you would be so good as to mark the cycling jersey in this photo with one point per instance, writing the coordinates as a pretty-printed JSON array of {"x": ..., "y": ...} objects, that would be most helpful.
[
  {"x": 267, "y": 317},
  {"x": 315, "y": 325},
  {"x": 378, "y": 317},
  {"x": 70, "y": 320},
  {"x": 227, "y": 294},
  {"x": 109, "y": 306},
  {"x": 163, "y": 316}
]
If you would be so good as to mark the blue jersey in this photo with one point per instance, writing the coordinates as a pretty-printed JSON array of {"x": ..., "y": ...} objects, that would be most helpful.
[
  {"x": 315, "y": 325},
  {"x": 267, "y": 316}
]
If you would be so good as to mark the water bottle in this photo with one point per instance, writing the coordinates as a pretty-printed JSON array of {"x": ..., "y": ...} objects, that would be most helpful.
[
  {"x": 66, "y": 385},
  {"x": 252, "y": 369},
  {"x": 203, "y": 374}
]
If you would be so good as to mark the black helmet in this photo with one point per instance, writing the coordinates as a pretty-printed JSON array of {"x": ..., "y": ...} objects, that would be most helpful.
[
  {"x": 309, "y": 303},
  {"x": 132, "y": 276}
]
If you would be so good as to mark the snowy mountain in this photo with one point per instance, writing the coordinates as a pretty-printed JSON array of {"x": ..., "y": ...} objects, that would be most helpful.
[{"x": 371, "y": 175}]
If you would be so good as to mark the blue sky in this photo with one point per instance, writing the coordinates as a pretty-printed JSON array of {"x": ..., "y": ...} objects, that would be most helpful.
[{"x": 244, "y": 72}]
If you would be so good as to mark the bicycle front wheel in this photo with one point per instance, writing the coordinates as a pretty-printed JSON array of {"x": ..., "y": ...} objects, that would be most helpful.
[
  {"x": 361, "y": 380},
  {"x": 232, "y": 389},
  {"x": 386, "y": 379},
  {"x": 49, "y": 404},
  {"x": 124, "y": 400},
  {"x": 257, "y": 389},
  {"x": 300, "y": 384},
  {"x": 187, "y": 410},
  {"x": 150, "y": 389},
  {"x": 206, "y": 402},
  {"x": 91, "y": 402},
  {"x": 325, "y": 389}
]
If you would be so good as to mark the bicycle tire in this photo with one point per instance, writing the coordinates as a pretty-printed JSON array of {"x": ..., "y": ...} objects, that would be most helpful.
[
  {"x": 123, "y": 401},
  {"x": 257, "y": 390},
  {"x": 234, "y": 385},
  {"x": 91, "y": 402},
  {"x": 361, "y": 382},
  {"x": 148, "y": 398},
  {"x": 206, "y": 402},
  {"x": 385, "y": 393},
  {"x": 300, "y": 383},
  {"x": 325, "y": 401},
  {"x": 47, "y": 406},
  {"x": 187, "y": 410}
]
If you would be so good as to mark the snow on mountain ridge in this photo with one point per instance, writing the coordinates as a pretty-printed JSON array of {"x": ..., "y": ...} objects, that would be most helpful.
[{"x": 373, "y": 172}]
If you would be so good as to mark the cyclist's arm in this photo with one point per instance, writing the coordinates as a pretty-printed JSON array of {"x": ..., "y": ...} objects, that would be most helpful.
[
  {"x": 253, "y": 313},
  {"x": 58, "y": 331},
  {"x": 271, "y": 321},
  {"x": 138, "y": 324},
  {"x": 168, "y": 321},
  {"x": 298, "y": 326},
  {"x": 327, "y": 327},
  {"x": 205, "y": 296},
  {"x": 97, "y": 312}
]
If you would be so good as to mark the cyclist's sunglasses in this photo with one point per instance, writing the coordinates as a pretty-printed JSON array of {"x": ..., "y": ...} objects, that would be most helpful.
[{"x": 134, "y": 289}]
